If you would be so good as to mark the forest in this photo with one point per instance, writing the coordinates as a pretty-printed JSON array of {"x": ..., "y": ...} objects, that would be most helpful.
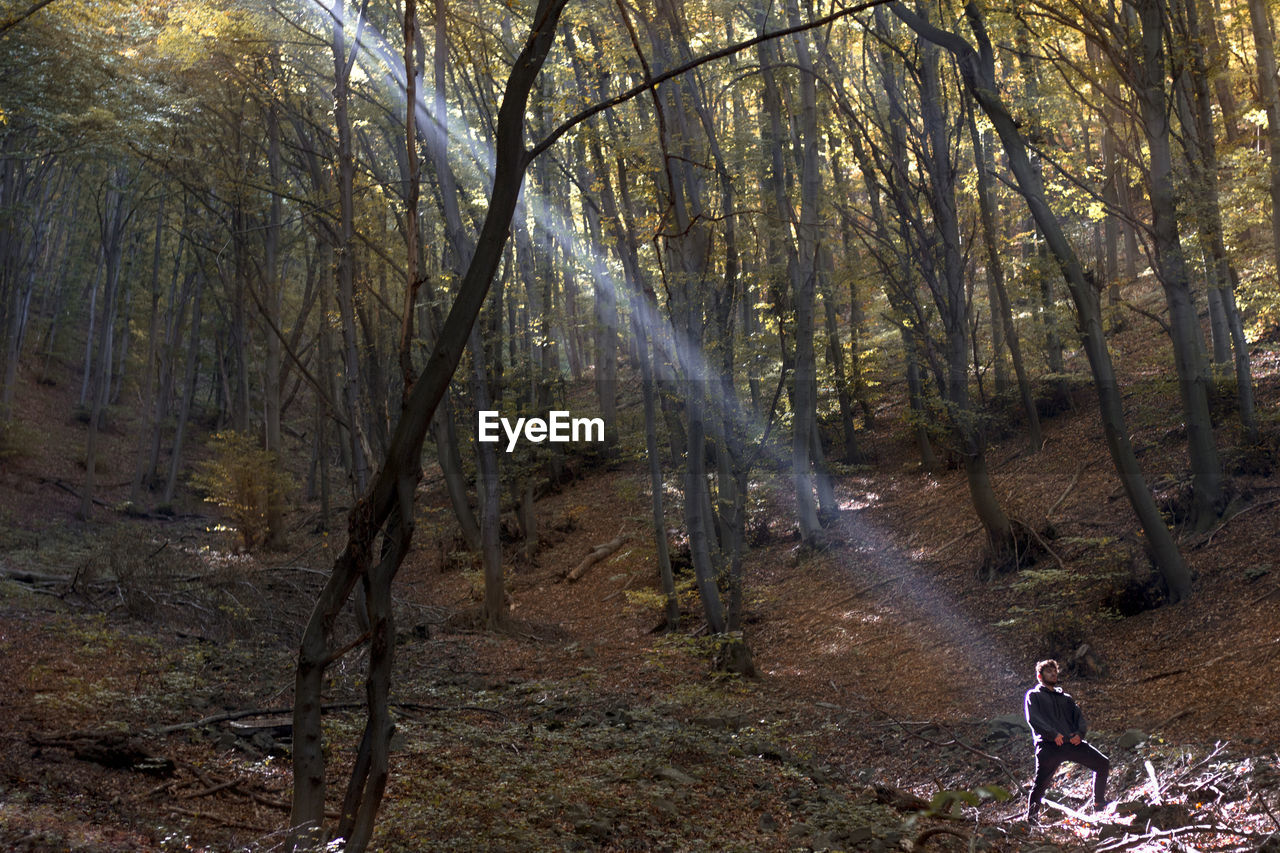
[{"x": 535, "y": 424}]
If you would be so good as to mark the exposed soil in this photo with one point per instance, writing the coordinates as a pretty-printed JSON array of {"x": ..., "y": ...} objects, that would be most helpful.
[{"x": 887, "y": 660}]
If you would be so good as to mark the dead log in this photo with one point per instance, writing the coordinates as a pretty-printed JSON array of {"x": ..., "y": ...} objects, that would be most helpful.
[
  {"x": 32, "y": 578},
  {"x": 597, "y": 554},
  {"x": 117, "y": 750},
  {"x": 896, "y": 798}
]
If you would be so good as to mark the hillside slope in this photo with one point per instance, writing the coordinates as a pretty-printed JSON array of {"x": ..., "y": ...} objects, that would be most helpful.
[{"x": 887, "y": 662}]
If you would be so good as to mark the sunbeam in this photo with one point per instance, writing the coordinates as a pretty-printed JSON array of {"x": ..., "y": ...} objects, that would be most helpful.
[{"x": 874, "y": 554}]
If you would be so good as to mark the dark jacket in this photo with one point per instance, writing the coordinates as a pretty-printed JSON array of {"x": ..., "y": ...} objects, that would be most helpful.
[{"x": 1050, "y": 713}]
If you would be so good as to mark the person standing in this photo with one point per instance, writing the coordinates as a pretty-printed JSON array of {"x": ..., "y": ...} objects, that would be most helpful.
[{"x": 1058, "y": 728}]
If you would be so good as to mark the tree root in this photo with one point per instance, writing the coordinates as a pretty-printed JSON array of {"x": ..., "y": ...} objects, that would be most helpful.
[
  {"x": 1026, "y": 548},
  {"x": 934, "y": 831}
]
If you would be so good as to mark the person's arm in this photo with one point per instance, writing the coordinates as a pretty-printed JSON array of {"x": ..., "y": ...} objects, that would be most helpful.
[{"x": 1079, "y": 724}]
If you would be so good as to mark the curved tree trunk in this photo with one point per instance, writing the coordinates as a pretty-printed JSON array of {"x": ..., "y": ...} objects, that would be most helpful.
[
  {"x": 389, "y": 501},
  {"x": 979, "y": 75}
]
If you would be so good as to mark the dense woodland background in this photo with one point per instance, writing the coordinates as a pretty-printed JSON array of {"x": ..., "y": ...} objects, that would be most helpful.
[{"x": 969, "y": 313}]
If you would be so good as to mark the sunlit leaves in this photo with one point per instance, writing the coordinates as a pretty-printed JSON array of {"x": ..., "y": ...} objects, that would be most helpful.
[{"x": 1256, "y": 117}]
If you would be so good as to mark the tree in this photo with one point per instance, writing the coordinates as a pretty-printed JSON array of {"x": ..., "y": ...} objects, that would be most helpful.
[
  {"x": 1134, "y": 42},
  {"x": 978, "y": 70},
  {"x": 385, "y": 512},
  {"x": 929, "y": 227},
  {"x": 1269, "y": 95}
]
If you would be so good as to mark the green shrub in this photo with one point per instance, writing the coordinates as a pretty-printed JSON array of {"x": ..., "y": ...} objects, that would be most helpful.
[{"x": 247, "y": 482}]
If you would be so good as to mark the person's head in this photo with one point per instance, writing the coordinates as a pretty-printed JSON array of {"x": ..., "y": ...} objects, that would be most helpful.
[{"x": 1047, "y": 672}]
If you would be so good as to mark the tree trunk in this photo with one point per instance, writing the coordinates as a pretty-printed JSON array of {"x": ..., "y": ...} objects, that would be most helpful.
[
  {"x": 273, "y": 302},
  {"x": 344, "y": 248},
  {"x": 1033, "y": 249},
  {"x": 696, "y": 504},
  {"x": 113, "y": 224},
  {"x": 952, "y": 302},
  {"x": 150, "y": 395},
  {"x": 835, "y": 359},
  {"x": 606, "y": 325},
  {"x": 457, "y": 255},
  {"x": 494, "y": 608},
  {"x": 915, "y": 402},
  {"x": 995, "y": 278},
  {"x": 646, "y": 322},
  {"x": 190, "y": 373},
  {"x": 1269, "y": 94},
  {"x": 389, "y": 500},
  {"x": 804, "y": 274},
  {"x": 979, "y": 75},
  {"x": 773, "y": 185},
  {"x": 1220, "y": 72},
  {"x": 1202, "y": 157},
  {"x": 1184, "y": 326}
]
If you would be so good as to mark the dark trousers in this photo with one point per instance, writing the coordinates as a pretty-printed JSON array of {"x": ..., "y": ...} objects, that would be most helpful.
[{"x": 1050, "y": 757}]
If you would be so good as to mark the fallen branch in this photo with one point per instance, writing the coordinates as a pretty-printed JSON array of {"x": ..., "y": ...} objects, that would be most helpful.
[
  {"x": 400, "y": 706},
  {"x": 955, "y": 741},
  {"x": 1043, "y": 544},
  {"x": 263, "y": 799},
  {"x": 903, "y": 801},
  {"x": 1156, "y": 797},
  {"x": 1150, "y": 315},
  {"x": 618, "y": 592},
  {"x": 162, "y": 788},
  {"x": 1267, "y": 808},
  {"x": 337, "y": 654},
  {"x": 276, "y": 712},
  {"x": 1274, "y": 589},
  {"x": 597, "y": 554},
  {"x": 953, "y": 540},
  {"x": 1070, "y": 486},
  {"x": 1209, "y": 538},
  {"x": 234, "y": 715},
  {"x": 1178, "y": 716},
  {"x": 70, "y": 490},
  {"x": 830, "y": 607},
  {"x": 1070, "y": 812},
  {"x": 1135, "y": 840},
  {"x": 825, "y": 607},
  {"x": 196, "y": 772},
  {"x": 205, "y": 792},
  {"x": 1206, "y": 664},
  {"x": 230, "y": 824},
  {"x": 33, "y": 578}
]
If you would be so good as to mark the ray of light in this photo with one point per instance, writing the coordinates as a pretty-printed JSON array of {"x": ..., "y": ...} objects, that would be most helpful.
[{"x": 878, "y": 555}]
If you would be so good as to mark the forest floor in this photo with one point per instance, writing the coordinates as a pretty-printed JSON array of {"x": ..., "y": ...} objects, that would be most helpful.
[{"x": 891, "y": 666}]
